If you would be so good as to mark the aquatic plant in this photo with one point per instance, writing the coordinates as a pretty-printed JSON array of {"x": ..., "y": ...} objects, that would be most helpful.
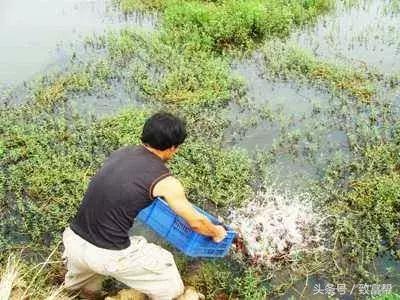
[
  {"x": 289, "y": 61},
  {"x": 167, "y": 73},
  {"x": 52, "y": 89},
  {"x": 226, "y": 280},
  {"x": 229, "y": 24},
  {"x": 390, "y": 296}
]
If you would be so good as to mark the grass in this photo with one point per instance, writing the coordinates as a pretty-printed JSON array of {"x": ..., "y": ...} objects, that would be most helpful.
[
  {"x": 367, "y": 215},
  {"x": 93, "y": 76},
  {"x": 229, "y": 24},
  {"x": 292, "y": 62},
  {"x": 186, "y": 61},
  {"x": 222, "y": 280},
  {"x": 131, "y": 6},
  {"x": 17, "y": 282},
  {"x": 166, "y": 73},
  {"x": 389, "y": 296},
  {"x": 235, "y": 24}
]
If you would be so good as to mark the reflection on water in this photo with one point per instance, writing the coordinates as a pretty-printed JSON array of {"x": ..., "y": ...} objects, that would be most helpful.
[
  {"x": 366, "y": 33},
  {"x": 30, "y": 31}
]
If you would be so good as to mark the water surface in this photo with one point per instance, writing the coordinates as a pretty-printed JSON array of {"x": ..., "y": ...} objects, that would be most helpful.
[
  {"x": 35, "y": 35},
  {"x": 367, "y": 34}
]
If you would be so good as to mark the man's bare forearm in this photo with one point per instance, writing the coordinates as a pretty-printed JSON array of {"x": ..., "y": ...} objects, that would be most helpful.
[{"x": 204, "y": 226}]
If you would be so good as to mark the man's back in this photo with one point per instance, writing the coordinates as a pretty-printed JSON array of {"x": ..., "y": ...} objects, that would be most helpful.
[{"x": 116, "y": 194}]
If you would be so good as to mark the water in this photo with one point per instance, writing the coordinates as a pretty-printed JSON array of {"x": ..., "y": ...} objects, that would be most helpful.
[
  {"x": 277, "y": 225},
  {"x": 292, "y": 101},
  {"x": 365, "y": 34},
  {"x": 35, "y": 35},
  {"x": 100, "y": 106},
  {"x": 291, "y": 111}
]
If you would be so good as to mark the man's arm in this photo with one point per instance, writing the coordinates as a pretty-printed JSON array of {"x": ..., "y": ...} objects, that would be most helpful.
[{"x": 172, "y": 191}]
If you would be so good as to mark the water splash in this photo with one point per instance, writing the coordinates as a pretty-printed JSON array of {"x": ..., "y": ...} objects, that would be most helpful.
[{"x": 276, "y": 226}]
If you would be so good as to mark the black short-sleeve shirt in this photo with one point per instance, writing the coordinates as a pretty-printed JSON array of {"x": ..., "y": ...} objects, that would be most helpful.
[{"x": 115, "y": 195}]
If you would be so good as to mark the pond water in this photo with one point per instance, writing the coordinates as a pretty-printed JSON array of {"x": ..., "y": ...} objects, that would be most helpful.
[
  {"x": 365, "y": 34},
  {"x": 290, "y": 109},
  {"x": 294, "y": 101},
  {"x": 101, "y": 106},
  {"x": 35, "y": 35}
]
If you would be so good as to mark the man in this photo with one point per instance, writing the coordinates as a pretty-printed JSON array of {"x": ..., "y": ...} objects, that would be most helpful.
[{"x": 97, "y": 243}]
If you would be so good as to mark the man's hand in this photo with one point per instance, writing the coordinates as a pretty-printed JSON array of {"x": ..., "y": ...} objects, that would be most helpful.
[{"x": 220, "y": 234}]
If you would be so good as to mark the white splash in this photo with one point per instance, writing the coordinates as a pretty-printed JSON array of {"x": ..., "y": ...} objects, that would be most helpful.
[{"x": 276, "y": 225}]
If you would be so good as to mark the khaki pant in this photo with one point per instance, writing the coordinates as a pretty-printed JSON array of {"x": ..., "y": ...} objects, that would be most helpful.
[{"x": 143, "y": 266}]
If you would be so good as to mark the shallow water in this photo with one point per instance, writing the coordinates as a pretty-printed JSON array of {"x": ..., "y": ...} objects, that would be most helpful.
[
  {"x": 292, "y": 109},
  {"x": 292, "y": 100},
  {"x": 316, "y": 287},
  {"x": 111, "y": 103},
  {"x": 35, "y": 35},
  {"x": 365, "y": 34}
]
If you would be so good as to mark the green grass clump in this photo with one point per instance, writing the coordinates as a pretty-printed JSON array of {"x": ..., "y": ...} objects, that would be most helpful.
[
  {"x": 186, "y": 61},
  {"x": 367, "y": 213},
  {"x": 390, "y": 296},
  {"x": 54, "y": 89},
  {"x": 130, "y": 6},
  {"x": 289, "y": 61},
  {"x": 167, "y": 73},
  {"x": 223, "y": 280},
  {"x": 229, "y": 24},
  {"x": 235, "y": 24},
  {"x": 209, "y": 173}
]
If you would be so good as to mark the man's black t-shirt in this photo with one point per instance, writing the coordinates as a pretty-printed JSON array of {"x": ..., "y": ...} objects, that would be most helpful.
[{"x": 116, "y": 194}]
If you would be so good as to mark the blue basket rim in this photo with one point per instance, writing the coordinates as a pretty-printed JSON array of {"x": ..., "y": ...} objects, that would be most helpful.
[{"x": 228, "y": 231}]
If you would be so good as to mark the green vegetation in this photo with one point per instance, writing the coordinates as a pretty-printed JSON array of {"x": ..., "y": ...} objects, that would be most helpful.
[
  {"x": 162, "y": 72},
  {"x": 366, "y": 217},
  {"x": 291, "y": 62},
  {"x": 85, "y": 79},
  {"x": 235, "y": 23},
  {"x": 221, "y": 280},
  {"x": 388, "y": 297},
  {"x": 130, "y": 6},
  {"x": 224, "y": 25}
]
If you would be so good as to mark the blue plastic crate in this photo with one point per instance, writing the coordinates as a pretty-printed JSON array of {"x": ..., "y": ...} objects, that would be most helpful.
[{"x": 174, "y": 229}]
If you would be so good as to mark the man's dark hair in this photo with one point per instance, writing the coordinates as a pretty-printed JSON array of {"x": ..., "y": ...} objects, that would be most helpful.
[{"x": 163, "y": 130}]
